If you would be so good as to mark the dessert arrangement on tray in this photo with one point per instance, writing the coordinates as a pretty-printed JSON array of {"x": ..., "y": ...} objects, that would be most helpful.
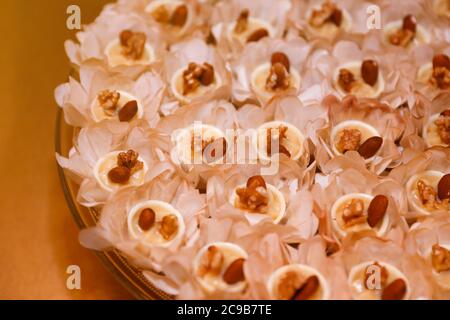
[{"x": 276, "y": 149}]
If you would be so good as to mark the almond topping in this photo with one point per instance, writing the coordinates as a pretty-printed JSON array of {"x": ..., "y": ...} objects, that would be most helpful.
[
  {"x": 235, "y": 272},
  {"x": 370, "y": 147},
  {"x": 405, "y": 35},
  {"x": 440, "y": 258},
  {"x": 128, "y": 111},
  {"x": 346, "y": 80},
  {"x": 169, "y": 226},
  {"x": 258, "y": 35},
  {"x": 211, "y": 262},
  {"x": 409, "y": 23},
  {"x": 242, "y": 22},
  {"x": 444, "y": 187},
  {"x": 348, "y": 140},
  {"x": 307, "y": 289},
  {"x": 108, "y": 101},
  {"x": 396, "y": 290},
  {"x": 377, "y": 210},
  {"x": 179, "y": 16},
  {"x": 254, "y": 197},
  {"x": 353, "y": 213},
  {"x": 280, "y": 57},
  {"x": 119, "y": 175},
  {"x": 369, "y": 72},
  {"x": 133, "y": 44},
  {"x": 146, "y": 219}
]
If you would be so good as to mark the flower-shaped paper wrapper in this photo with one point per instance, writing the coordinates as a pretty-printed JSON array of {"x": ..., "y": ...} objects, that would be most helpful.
[
  {"x": 77, "y": 97},
  {"x": 96, "y": 141}
]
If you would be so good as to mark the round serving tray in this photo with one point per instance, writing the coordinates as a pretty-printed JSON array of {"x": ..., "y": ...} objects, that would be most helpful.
[{"x": 129, "y": 276}]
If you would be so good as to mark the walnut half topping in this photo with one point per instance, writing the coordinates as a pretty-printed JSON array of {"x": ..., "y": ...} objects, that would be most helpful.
[
  {"x": 346, "y": 80},
  {"x": 441, "y": 72},
  {"x": 278, "y": 79},
  {"x": 353, "y": 213},
  {"x": 127, "y": 165},
  {"x": 108, "y": 100},
  {"x": 169, "y": 227},
  {"x": 242, "y": 22},
  {"x": 440, "y": 258},
  {"x": 277, "y": 139},
  {"x": 133, "y": 44},
  {"x": 196, "y": 75},
  {"x": 328, "y": 13},
  {"x": 348, "y": 140},
  {"x": 211, "y": 262},
  {"x": 443, "y": 128},
  {"x": 403, "y": 36},
  {"x": 254, "y": 197},
  {"x": 428, "y": 197}
]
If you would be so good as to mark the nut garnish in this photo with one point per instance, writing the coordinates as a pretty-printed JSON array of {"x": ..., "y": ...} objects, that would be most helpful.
[
  {"x": 211, "y": 39},
  {"x": 308, "y": 288},
  {"x": 234, "y": 272},
  {"x": 370, "y": 147},
  {"x": 443, "y": 128},
  {"x": 428, "y": 197},
  {"x": 242, "y": 22},
  {"x": 348, "y": 140},
  {"x": 277, "y": 139},
  {"x": 353, "y": 213},
  {"x": 108, "y": 101},
  {"x": 346, "y": 80},
  {"x": 396, "y": 290},
  {"x": 441, "y": 72},
  {"x": 161, "y": 14},
  {"x": 146, "y": 219},
  {"x": 254, "y": 197},
  {"x": 377, "y": 210},
  {"x": 403, "y": 36},
  {"x": 258, "y": 35},
  {"x": 169, "y": 226},
  {"x": 369, "y": 72},
  {"x": 288, "y": 285},
  {"x": 196, "y": 75},
  {"x": 444, "y": 187},
  {"x": 278, "y": 79},
  {"x": 440, "y": 258},
  {"x": 133, "y": 44},
  {"x": 179, "y": 16},
  {"x": 328, "y": 13},
  {"x": 127, "y": 165},
  {"x": 383, "y": 275},
  {"x": 282, "y": 58},
  {"x": 211, "y": 262},
  {"x": 128, "y": 111}
]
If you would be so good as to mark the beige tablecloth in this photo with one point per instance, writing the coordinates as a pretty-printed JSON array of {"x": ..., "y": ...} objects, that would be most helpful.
[{"x": 38, "y": 238}]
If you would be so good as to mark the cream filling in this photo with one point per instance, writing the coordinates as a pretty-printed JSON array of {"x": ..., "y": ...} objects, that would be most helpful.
[
  {"x": 431, "y": 178},
  {"x": 183, "y": 143},
  {"x": 322, "y": 293},
  {"x": 113, "y": 52},
  {"x": 177, "y": 87},
  {"x": 171, "y": 6},
  {"x": 253, "y": 25},
  {"x": 329, "y": 30},
  {"x": 294, "y": 140},
  {"x": 259, "y": 77},
  {"x": 153, "y": 237},
  {"x": 361, "y": 89},
  {"x": 276, "y": 207},
  {"x": 338, "y": 223},
  {"x": 108, "y": 162},
  {"x": 422, "y": 35},
  {"x": 357, "y": 277},
  {"x": 430, "y": 133},
  {"x": 211, "y": 282},
  {"x": 98, "y": 113},
  {"x": 367, "y": 131},
  {"x": 425, "y": 73},
  {"x": 442, "y": 278}
]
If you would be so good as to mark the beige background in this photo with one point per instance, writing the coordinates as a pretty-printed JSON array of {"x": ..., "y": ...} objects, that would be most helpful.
[{"x": 38, "y": 238}]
